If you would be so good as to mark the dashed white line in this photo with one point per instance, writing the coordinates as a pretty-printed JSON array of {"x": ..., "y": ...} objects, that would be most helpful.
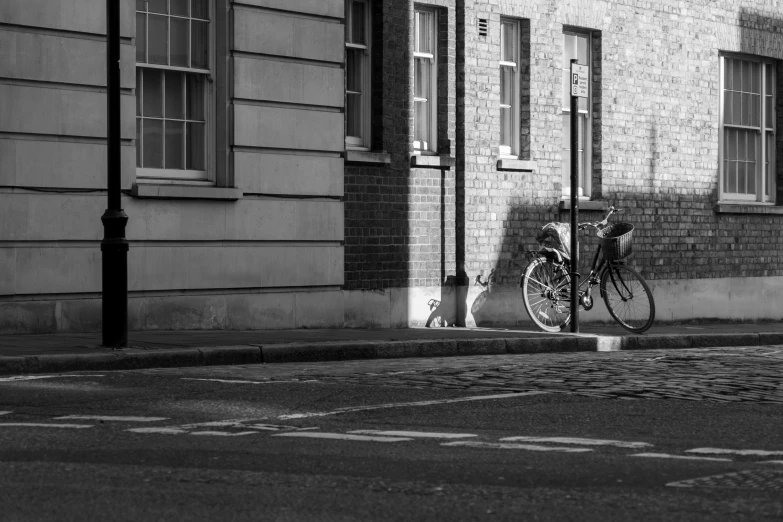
[
  {"x": 163, "y": 431},
  {"x": 721, "y": 451},
  {"x": 414, "y": 434},
  {"x": 111, "y": 418},
  {"x": 42, "y": 425},
  {"x": 681, "y": 457},
  {"x": 771, "y": 462},
  {"x": 579, "y": 441},
  {"x": 224, "y": 433},
  {"x": 5, "y": 412},
  {"x": 409, "y": 404},
  {"x": 16, "y": 378},
  {"x": 340, "y": 436},
  {"x": 511, "y": 445}
]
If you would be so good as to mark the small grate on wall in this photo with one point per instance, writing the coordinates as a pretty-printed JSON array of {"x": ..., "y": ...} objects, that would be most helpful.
[{"x": 483, "y": 26}]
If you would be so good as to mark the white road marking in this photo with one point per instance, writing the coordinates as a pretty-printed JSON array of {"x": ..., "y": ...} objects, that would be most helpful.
[
  {"x": 339, "y": 436},
  {"x": 683, "y": 457},
  {"x": 164, "y": 431},
  {"x": 16, "y": 378},
  {"x": 238, "y": 423},
  {"x": 720, "y": 451},
  {"x": 408, "y": 404},
  {"x": 579, "y": 441},
  {"x": 415, "y": 434},
  {"x": 5, "y": 412},
  {"x": 111, "y": 418},
  {"x": 511, "y": 445},
  {"x": 771, "y": 462},
  {"x": 237, "y": 381},
  {"x": 224, "y": 433},
  {"x": 42, "y": 425}
]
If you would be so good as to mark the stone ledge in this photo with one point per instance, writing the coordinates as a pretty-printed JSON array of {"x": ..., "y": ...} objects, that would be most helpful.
[
  {"x": 746, "y": 208},
  {"x": 367, "y": 157},
  {"x": 598, "y": 204},
  {"x": 160, "y": 191},
  {"x": 432, "y": 162},
  {"x": 516, "y": 165}
]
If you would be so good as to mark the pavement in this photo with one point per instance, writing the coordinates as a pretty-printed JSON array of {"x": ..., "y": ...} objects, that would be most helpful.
[{"x": 64, "y": 352}]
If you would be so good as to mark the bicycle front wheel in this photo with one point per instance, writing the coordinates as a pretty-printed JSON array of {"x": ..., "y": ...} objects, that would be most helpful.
[
  {"x": 545, "y": 293},
  {"x": 628, "y": 298}
]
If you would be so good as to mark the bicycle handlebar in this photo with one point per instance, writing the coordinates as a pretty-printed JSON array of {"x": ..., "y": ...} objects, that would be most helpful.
[{"x": 602, "y": 223}]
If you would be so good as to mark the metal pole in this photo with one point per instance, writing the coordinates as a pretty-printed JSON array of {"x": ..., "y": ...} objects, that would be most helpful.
[
  {"x": 114, "y": 247},
  {"x": 574, "y": 210}
]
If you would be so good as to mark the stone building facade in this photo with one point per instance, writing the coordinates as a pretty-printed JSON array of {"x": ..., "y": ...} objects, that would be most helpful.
[{"x": 357, "y": 163}]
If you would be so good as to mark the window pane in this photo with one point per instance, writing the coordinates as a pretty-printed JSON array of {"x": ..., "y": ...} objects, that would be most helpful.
[
  {"x": 141, "y": 37},
  {"x": 736, "y": 108},
  {"x": 751, "y": 151},
  {"x": 508, "y": 43},
  {"x": 179, "y": 42},
  {"x": 153, "y": 144},
  {"x": 769, "y": 114},
  {"x": 582, "y": 103},
  {"x": 354, "y": 71},
  {"x": 581, "y": 49},
  {"x": 199, "y": 9},
  {"x": 741, "y": 145},
  {"x": 175, "y": 95},
  {"x": 737, "y": 75},
  {"x": 152, "y": 86},
  {"x": 770, "y": 174},
  {"x": 141, "y": 5},
  {"x": 353, "y": 115},
  {"x": 727, "y": 99},
  {"x": 581, "y": 166},
  {"x": 746, "y": 109},
  {"x": 421, "y": 126},
  {"x": 422, "y": 78},
  {"x": 569, "y": 50},
  {"x": 157, "y": 6},
  {"x": 196, "y": 150},
  {"x": 195, "y": 96},
  {"x": 755, "y": 80},
  {"x": 139, "y": 73},
  {"x": 731, "y": 149},
  {"x": 741, "y": 178},
  {"x": 424, "y": 44},
  {"x": 138, "y": 141},
  {"x": 727, "y": 63},
  {"x": 357, "y": 23},
  {"x": 506, "y": 127},
  {"x": 731, "y": 185},
  {"x": 751, "y": 177},
  {"x": 506, "y": 86},
  {"x": 179, "y": 7},
  {"x": 175, "y": 144},
  {"x": 755, "y": 112},
  {"x": 158, "y": 39},
  {"x": 746, "y": 76},
  {"x": 770, "y": 79},
  {"x": 199, "y": 45}
]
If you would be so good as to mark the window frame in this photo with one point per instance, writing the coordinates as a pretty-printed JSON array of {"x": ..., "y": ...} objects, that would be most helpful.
[
  {"x": 432, "y": 101},
  {"x": 511, "y": 150},
  {"x": 587, "y": 136},
  {"x": 168, "y": 175},
  {"x": 761, "y": 177},
  {"x": 361, "y": 142}
]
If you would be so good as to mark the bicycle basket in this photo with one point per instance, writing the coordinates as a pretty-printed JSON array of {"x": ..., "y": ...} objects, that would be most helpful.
[{"x": 616, "y": 241}]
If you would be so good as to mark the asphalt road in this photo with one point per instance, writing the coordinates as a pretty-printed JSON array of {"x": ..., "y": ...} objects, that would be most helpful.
[{"x": 647, "y": 435}]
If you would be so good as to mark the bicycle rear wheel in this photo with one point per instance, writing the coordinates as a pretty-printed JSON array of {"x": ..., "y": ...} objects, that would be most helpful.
[
  {"x": 545, "y": 293},
  {"x": 628, "y": 298}
]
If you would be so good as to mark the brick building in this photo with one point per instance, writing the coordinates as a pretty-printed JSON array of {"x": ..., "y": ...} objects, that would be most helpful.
[{"x": 329, "y": 163}]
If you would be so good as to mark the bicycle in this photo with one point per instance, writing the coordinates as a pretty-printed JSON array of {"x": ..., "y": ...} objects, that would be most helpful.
[{"x": 546, "y": 282}]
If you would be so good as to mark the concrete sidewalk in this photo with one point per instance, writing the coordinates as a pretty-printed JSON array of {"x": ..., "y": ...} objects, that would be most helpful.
[{"x": 45, "y": 353}]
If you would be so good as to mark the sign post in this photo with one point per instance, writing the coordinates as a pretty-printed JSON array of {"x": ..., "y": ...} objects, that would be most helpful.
[{"x": 579, "y": 78}]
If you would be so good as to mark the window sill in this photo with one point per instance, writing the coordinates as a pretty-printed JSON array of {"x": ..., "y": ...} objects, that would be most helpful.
[
  {"x": 158, "y": 191},
  {"x": 516, "y": 165},
  {"x": 367, "y": 157},
  {"x": 747, "y": 208},
  {"x": 432, "y": 162},
  {"x": 585, "y": 204}
]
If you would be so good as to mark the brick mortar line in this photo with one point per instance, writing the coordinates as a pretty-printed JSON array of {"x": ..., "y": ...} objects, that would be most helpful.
[{"x": 353, "y": 350}]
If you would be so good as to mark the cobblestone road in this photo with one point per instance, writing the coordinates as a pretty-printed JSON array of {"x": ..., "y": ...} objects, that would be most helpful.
[{"x": 743, "y": 374}]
